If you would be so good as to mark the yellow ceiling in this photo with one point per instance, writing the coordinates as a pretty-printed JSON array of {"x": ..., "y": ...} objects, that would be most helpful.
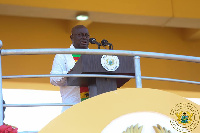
[{"x": 168, "y": 13}]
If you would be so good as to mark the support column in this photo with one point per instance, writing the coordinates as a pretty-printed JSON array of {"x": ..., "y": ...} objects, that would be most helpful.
[{"x": 137, "y": 72}]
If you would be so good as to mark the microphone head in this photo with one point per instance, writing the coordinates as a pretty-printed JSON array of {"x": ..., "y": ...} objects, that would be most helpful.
[
  {"x": 92, "y": 40},
  {"x": 104, "y": 42}
]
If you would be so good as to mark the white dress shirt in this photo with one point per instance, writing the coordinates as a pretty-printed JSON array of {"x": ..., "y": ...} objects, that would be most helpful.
[{"x": 62, "y": 64}]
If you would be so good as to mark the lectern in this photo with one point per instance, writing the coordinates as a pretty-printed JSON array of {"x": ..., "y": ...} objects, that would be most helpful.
[{"x": 92, "y": 64}]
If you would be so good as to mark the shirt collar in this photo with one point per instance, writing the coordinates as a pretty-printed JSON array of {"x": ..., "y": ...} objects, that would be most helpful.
[{"x": 72, "y": 46}]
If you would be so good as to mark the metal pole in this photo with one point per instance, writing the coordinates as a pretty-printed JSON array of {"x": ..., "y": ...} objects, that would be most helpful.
[
  {"x": 171, "y": 80},
  {"x": 39, "y": 104},
  {"x": 68, "y": 75},
  {"x": 1, "y": 95},
  {"x": 137, "y": 72},
  {"x": 5, "y": 52}
]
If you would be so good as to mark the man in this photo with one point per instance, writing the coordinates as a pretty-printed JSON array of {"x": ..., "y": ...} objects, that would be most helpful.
[{"x": 63, "y": 63}]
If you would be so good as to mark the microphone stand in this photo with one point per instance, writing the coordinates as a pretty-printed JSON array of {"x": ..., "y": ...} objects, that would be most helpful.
[
  {"x": 110, "y": 46},
  {"x": 99, "y": 46}
]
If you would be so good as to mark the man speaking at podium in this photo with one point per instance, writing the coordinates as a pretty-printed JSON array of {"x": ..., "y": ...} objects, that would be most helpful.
[{"x": 63, "y": 63}]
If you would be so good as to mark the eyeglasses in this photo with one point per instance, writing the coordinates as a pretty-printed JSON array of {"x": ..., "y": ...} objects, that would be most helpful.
[{"x": 82, "y": 35}]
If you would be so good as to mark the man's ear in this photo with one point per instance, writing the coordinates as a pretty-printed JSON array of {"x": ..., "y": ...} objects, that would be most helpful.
[{"x": 71, "y": 37}]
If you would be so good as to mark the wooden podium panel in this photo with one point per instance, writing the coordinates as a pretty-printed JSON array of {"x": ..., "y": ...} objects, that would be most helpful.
[{"x": 91, "y": 64}]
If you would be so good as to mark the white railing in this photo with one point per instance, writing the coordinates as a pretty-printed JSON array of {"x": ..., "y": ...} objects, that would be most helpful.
[{"x": 135, "y": 54}]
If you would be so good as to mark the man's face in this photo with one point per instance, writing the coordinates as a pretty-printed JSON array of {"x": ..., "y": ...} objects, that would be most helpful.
[{"x": 80, "y": 38}]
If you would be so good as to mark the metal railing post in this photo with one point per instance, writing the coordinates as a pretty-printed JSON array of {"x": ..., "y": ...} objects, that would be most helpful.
[
  {"x": 138, "y": 78},
  {"x": 1, "y": 94}
]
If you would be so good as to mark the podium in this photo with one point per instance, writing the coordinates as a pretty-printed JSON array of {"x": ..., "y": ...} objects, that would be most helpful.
[{"x": 91, "y": 64}]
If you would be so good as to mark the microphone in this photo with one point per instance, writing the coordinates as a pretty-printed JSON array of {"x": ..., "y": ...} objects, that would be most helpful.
[
  {"x": 105, "y": 43},
  {"x": 93, "y": 41}
]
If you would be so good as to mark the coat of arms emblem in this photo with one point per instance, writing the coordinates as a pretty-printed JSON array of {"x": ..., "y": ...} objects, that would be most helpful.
[
  {"x": 109, "y": 62},
  {"x": 185, "y": 117}
]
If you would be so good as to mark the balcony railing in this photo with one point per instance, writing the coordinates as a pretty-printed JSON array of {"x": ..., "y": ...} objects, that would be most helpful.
[{"x": 135, "y": 54}]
